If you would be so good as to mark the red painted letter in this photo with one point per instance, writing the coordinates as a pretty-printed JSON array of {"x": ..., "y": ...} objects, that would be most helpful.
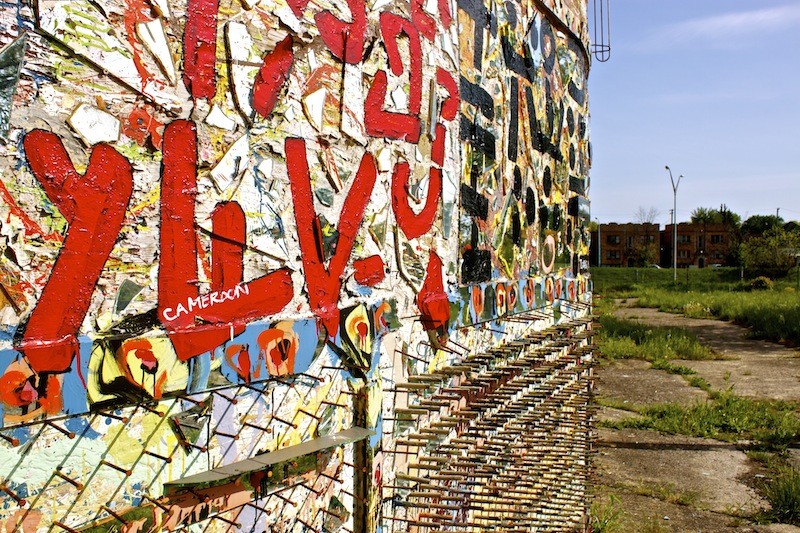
[
  {"x": 200, "y": 48},
  {"x": 196, "y": 323},
  {"x": 324, "y": 283},
  {"x": 94, "y": 205}
]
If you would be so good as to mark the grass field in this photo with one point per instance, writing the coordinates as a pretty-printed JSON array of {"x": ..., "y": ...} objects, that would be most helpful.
[{"x": 773, "y": 314}]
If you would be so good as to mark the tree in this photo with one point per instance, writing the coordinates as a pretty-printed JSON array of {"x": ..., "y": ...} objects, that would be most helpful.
[
  {"x": 772, "y": 252},
  {"x": 759, "y": 224},
  {"x": 644, "y": 251},
  {"x": 723, "y": 215},
  {"x": 646, "y": 215}
]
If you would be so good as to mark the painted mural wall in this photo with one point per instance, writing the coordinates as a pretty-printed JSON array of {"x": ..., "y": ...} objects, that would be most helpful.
[{"x": 262, "y": 260}]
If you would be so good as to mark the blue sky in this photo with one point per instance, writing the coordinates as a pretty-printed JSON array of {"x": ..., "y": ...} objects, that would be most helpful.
[{"x": 710, "y": 88}]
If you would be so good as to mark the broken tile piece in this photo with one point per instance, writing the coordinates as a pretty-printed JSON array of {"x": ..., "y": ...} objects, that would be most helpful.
[
  {"x": 244, "y": 66},
  {"x": 353, "y": 104},
  {"x": 217, "y": 117},
  {"x": 94, "y": 125},
  {"x": 10, "y": 65},
  {"x": 232, "y": 165},
  {"x": 384, "y": 160},
  {"x": 152, "y": 36},
  {"x": 83, "y": 27},
  {"x": 400, "y": 99},
  {"x": 314, "y": 107},
  {"x": 161, "y": 7}
]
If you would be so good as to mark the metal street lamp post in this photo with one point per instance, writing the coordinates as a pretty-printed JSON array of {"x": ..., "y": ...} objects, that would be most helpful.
[{"x": 674, "y": 223}]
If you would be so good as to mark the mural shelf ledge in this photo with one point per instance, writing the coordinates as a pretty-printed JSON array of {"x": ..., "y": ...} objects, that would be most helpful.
[{"x": 266, "y": 460}]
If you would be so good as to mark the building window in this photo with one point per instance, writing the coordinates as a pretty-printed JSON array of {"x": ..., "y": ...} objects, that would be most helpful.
[
  {"x": 613, "y": 239},
  {"x": 612, "y": 254},
  {"x": 630, "y": 242},
  {"x": 647, "y": 238},
  {"x": 717, "y": 239},
  {"x": 683, "y": 254},
  {"x": 684, "y": 239}
]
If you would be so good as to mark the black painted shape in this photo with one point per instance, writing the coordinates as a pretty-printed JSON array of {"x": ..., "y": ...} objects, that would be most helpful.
[
  {"x": 517, "y": 190},
  {"x": 569, "y": 232},
  {"x": 579, "y": 95},
  {"x": 544, "y": 215},
  {"x": 474, "y": 203},
  {"x": 574, "y": 206},
  {"x": 536, "y": 135},
  {"x": 547, "y": 182},
  {"x": 558, "y": 218},
  {"x": 513, "y": 127},
  {"x": 511, "y": 14},
  {"x": 530, "y": 206},
  {"x": 476, "y": 266},
  {"x": 572, "y": 156},
  {"x": 516, "y": 226},
  {"x": 477, "y": 96},
  {"x": 516, "y": 62},
  {"x": 541, "y": 142},
  {"x": 477, "y": 136},
  {"x": 480, "y": 15},
  {"x": 577, "y": 185},
  {"x": 549, "y": 60}
]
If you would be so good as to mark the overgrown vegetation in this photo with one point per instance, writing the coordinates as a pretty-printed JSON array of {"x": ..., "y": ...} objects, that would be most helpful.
[
  {"x": 606, "y": 515},
  {"x": 621, "y": 338},
  {"x": 772, "y": 314},
  {"x": 770, "y": 424},
  {"x": 783, "y": 495}
]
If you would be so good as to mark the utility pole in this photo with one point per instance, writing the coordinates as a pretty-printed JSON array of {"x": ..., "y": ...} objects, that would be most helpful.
[{"x": 674, "y": 223}]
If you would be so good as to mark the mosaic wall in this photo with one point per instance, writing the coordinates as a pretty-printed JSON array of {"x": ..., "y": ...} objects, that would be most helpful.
[{"x": 293, "y": 265}]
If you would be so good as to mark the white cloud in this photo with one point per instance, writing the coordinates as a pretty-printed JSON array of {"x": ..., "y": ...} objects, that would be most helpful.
[{"x": 725, "y": 31}]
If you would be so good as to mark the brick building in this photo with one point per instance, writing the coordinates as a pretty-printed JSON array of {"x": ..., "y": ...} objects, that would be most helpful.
[
  {"x": 699, "y": 245},
  {"x": 629, "y": 245},
  {"x": 625, "y": 245}
]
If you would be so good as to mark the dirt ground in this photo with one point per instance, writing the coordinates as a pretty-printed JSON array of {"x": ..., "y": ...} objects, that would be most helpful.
[{"x": 677, "y": 483}]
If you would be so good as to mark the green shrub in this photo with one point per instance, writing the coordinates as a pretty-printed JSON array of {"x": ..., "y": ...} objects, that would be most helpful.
[
  {"x": 606, "y": 517},
  {"x": 762, "y": 283},
  {"x": 783, "y": 495}
]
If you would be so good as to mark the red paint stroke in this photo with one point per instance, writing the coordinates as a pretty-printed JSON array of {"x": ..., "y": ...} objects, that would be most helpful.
[
  {"x": 200, "y": 48},
  {"x": 392, "y": 26},
  {"x": 137, "y": 11},
  {"x": 31, "y": 227},
  {"x": 140, "y": 125},
  {"x": 369, "y": 271},
  {"x": 94, "y": 207},
  {"x": 444, "y": 13},
  {"x": 271, "y": 77},
  {"x": 449, "y": 106},
  {"x": 297, "y": 6},
  {"x": 227, "y": 245},
  {"x": 423, "y": 21},
  {"x": 437, "y": 149},
  {"x": 413, "y": 224},
  {"x": 324, "y": 283},
  {"x": 345, "y": 40},
  {"x": 388, "y": 124},
  {"x": 238, "y": 358},
  {"x": 391, "y": 124},
  {"x": 195, "y": 323},
  {"x": 432, "y": 300}
]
